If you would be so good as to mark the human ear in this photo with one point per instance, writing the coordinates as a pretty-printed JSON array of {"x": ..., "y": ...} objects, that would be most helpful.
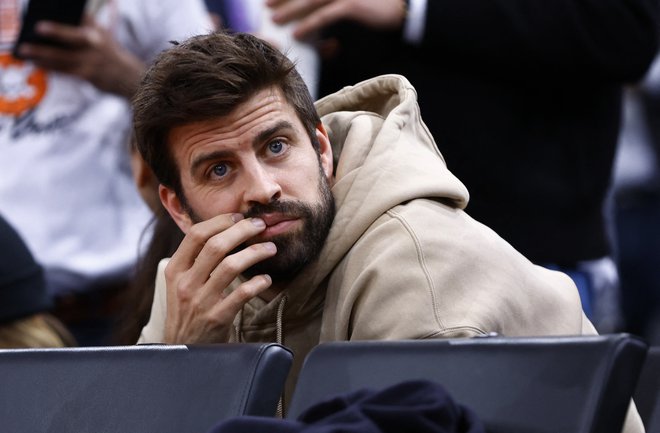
[
  {"x": 325, "y": 151},
  {"x": 145, "y": 180},
  {"x": 174, "y": 207}
]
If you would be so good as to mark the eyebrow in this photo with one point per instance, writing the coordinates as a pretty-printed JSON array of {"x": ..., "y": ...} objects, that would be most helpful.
[
  {"x": 267, "y": 133},
  {"x": 282, "y": 125}
]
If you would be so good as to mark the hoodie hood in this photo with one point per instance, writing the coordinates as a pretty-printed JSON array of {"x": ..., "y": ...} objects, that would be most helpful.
[{"x": 377, "y": 134}]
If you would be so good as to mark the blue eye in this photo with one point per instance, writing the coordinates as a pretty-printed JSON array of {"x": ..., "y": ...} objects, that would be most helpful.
[
  {"x": 220, "y": 170},
  {"x": 276, "y": 146}
]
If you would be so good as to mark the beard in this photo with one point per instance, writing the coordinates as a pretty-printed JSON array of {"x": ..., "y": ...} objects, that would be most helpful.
[{"x": 296, "y": 249}]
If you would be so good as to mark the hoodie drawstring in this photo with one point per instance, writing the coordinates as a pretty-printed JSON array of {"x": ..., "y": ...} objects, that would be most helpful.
[
  {"x": 279, "y": 338},
  {"x": 280, "y": 312},
  {"x": 239, "y": 328},
  {"x": 279, "y": 333}
]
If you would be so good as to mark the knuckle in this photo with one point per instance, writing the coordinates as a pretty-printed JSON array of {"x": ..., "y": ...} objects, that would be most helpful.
[
  {"x": 197, "y": 234},
  {"x": 257, "y": 248},
  {"x": 231, "y": 265},
  {"x": 234, "y": 267},
  {"x": 253, "y": 287},
  {"x": 184, "y": 288},
  {"x": 217, "y": 246},
  {"x": 170, "y": 271},
  {"x": 246, "y": 292}
]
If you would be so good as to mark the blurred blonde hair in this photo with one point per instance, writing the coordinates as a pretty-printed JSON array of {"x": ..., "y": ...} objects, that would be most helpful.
[{"x": 37, "y": 330}]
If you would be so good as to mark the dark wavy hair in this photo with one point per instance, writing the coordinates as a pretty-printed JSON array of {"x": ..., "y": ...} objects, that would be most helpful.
[{"x": 206, "y": 77}]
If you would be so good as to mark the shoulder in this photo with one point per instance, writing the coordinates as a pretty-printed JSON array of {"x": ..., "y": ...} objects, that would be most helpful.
[{"x": 448, "y": 275}]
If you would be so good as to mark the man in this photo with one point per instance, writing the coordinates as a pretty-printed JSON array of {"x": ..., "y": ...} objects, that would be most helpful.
[{"x": 301, "y": 229}]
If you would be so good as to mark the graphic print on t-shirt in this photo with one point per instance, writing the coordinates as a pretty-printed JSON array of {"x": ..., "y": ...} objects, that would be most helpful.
[{"x": 22, "y": 86}]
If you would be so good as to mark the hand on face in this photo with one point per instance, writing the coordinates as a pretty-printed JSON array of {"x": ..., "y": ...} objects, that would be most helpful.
[
  {"x": 90, "y": 53},
  {"x": 316, "y": 15},
  {"x": 198, "y": 309}
]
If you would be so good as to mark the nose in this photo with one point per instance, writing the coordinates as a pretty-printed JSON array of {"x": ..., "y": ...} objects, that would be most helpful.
[{"x": 262, "y": 186}]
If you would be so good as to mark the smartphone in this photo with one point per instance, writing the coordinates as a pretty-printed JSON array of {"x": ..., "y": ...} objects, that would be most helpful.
[{"x": 61, "y": 11}]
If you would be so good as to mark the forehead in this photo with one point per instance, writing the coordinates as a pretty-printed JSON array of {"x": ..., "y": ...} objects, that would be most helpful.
[{"x": 263, "y": 111}]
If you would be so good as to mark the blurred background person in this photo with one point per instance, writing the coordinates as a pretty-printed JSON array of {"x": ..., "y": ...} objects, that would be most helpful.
[
  {"x": 165, "y": 239},
  {"x": 65, "y": 181},
  {"x": 523, "y": 99},
  {"x": 253, "y": 16},
  {"x": 25, "y": 319},
  {"x": 636, "y": 207}
]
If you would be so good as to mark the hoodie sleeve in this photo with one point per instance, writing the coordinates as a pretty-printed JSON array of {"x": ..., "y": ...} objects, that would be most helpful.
[
  {"x": 154, "y": 330},
  {"x": 598, "y": 39}
]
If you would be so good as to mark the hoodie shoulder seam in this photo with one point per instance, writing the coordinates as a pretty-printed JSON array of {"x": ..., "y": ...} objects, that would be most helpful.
[{"x": 422, "y": 263}]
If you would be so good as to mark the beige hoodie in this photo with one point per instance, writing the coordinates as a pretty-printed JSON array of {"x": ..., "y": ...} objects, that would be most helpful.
[{"x": 402, "y": 259}]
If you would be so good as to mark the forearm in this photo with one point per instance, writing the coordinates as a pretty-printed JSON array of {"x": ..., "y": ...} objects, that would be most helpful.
[{"x": 126, "y": 76}]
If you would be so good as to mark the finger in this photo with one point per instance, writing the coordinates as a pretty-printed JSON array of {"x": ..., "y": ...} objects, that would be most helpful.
[
  {"x": 196, "y": 238},
  {"x": 72, "y": 36},
  {"x": 296, "y": 10},
  {"x": 246, "y": 291},
  {"x": 284, "y": 10},
  {"x": 88, "y": 20},
  {"x": 321, "y": 18},
  {"x": 218, "y": 249},
  {"x": 49, "y": 57},
  {"x": 235, "y": 264},
  {"x": 275, "y": 3}
]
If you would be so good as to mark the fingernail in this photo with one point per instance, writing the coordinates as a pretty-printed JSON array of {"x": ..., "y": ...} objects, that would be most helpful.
[
  {"x": 258, "y": 222},
  {"x": 236, "y": 217},
  {"x": 43, "y": 27},
  {"x": 270, "y": 246},
  {"x": 268, "y": 279}
]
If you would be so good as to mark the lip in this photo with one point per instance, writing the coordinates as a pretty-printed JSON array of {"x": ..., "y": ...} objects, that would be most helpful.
[
  {"x": 277, "y": 223},
  {"x": 272, "y": 219}
]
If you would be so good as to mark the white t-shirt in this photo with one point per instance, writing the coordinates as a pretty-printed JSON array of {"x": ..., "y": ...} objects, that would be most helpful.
[{"x": 65, "y": 179}]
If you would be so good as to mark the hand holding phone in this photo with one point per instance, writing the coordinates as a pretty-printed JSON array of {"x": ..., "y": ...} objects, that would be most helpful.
[
  {"x": 60, "y": 11},
  {"x": 87, "y": 50}
]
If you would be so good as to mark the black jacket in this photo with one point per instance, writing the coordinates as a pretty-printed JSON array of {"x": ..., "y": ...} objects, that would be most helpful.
[
  {"x": 523, "y": 98},
  {"x": 415, "y": 406}
]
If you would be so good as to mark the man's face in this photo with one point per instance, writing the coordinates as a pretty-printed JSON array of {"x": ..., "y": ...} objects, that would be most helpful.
[{"x": 258, "y": 161}]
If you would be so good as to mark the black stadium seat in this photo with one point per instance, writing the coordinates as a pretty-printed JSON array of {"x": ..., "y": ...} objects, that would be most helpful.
[
  {"x": 138, "y": 389},
  {"x": 647, "y": 393},
  {"x": 579, "y": 384}
]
